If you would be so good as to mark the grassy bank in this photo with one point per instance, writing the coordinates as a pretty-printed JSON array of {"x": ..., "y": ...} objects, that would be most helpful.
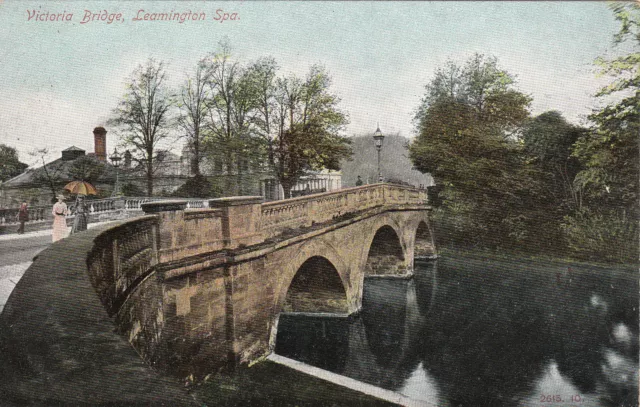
[{"x": 270, "y": 384}]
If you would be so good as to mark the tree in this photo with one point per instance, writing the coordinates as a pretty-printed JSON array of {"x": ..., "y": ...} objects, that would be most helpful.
[
  {"x": 468, "y": 126},
  {"x": 300, "y": 122},
  {"x": 610, "y": 151},
  {"x": 229, "y": 111},
  {"x": 51, "y": 175},
  {"x": 548, "y": 142},
  {"x": 10, "y": 164},
  {"x": 143, "y": 115},
  {"x": 195, "y": 96},
  {"x": 607, "y": 227}
]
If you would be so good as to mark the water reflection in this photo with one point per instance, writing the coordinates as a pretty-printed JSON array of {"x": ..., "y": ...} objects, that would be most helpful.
[{"x": 471, "y": 331}]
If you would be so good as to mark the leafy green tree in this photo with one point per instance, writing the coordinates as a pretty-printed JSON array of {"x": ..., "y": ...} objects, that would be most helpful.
[
  {"x": 610, "y": 151},
  {"x": 299, "y": 121},
  {"x": 10, "y": 165},
  {"x": 230, "y": 109},
  {"x": 467, "y": 137},
  {"x": 548, "y": 142},
  {"x": 610, "y": 156},
  {"x": 142, "y": 115}
]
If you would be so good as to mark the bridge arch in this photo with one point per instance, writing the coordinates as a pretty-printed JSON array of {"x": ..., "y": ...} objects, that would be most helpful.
[
  {"x": 314, "y": 248},
  {"x": 386, "y": 254},
  {"x": 316, "y": 287}
]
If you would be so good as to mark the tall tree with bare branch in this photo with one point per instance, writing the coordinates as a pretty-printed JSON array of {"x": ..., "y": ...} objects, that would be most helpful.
[
  {"x": 194, "y": 102},
  {"x": 142, "y": 115}
]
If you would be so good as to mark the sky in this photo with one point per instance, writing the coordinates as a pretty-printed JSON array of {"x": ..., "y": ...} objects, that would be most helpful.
[{"x": 60, "y": 79}]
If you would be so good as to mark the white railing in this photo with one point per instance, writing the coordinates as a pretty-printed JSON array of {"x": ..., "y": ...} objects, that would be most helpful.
[{"x": 94, "y": 206}]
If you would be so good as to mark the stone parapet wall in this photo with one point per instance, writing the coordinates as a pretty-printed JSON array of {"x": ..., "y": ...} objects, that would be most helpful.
[
  {"x": 305, "y": 211},
  {"x": 121, "y": 257}
]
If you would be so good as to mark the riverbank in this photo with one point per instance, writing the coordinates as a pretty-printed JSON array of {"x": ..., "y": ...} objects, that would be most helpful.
[
  {"x": 532, "y": 258},
  {"x": 269, "y": 384}
]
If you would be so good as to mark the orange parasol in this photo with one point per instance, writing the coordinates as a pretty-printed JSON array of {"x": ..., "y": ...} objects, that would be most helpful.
[{"x": 81, "y": 188}]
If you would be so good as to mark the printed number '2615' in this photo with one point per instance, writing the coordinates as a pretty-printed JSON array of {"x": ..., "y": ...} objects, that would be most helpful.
[{"x": 548, "y": 398}]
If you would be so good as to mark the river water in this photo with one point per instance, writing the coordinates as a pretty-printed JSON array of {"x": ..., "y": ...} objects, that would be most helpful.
[{"x": 468, "y": 330}]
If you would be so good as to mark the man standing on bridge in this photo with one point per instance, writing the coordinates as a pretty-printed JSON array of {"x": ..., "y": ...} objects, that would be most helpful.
[{"x": 23, "y": 216}]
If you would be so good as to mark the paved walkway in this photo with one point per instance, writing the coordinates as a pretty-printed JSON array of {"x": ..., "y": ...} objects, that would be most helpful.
[
  {"x": 11, "y": 271},
  {"x": 45, "y": 232},
  {"x": 58, "y": 346}
]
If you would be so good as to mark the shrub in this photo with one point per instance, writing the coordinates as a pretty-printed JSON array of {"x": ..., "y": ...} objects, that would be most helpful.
[{"x": 606, "y": 236}]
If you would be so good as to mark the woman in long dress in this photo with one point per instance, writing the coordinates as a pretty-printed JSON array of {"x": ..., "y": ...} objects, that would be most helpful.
[
  {"x": 59, "y": 212},
  {"x": 80, "y": 221}
]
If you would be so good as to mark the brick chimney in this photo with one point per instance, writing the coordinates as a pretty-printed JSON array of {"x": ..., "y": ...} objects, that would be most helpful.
[{"x": 100, "y": 143}]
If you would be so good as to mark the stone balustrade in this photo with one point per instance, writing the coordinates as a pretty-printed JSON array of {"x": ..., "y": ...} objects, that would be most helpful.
[
  {"x": 304, "y": 211},
  {"x": 42, "y": 213}
]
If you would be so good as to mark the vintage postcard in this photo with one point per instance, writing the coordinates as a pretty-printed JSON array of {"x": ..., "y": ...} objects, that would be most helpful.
[{"x": 288, "y": 203}]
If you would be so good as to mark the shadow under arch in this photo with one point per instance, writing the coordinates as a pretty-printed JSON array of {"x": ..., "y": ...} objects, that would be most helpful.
[
  {"x": 424, "y": 244},
  {"x": 386, "y": 254},
  {"x": 315, "y": 296},
  {"x": 316, "y": 287}
]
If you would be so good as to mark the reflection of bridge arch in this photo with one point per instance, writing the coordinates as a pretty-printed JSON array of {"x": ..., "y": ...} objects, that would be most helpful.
[
  {"x": 424, "y": 245},
  {"x": 383, "y": 340}
]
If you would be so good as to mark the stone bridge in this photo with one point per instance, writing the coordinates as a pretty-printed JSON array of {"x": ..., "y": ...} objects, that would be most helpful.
[{"x": 197, "y": 290}]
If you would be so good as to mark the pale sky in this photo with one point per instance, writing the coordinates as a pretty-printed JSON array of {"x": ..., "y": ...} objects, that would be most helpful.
[{"x": 60, "y": 79}]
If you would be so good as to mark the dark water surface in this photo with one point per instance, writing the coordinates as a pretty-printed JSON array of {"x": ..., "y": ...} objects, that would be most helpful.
[{"x": 474, "y": 331}]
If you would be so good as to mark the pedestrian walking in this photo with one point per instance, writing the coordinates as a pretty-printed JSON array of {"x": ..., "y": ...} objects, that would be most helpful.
[
  {"x": 23, "y": 216},
  {"x": 59, "y": 212},
  {"x": 80, "y": 221}
]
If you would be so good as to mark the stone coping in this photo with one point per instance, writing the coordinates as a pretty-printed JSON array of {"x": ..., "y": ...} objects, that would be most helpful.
[
  {"x": 58, "y": 346},
  {"x": 235, "y": 201},
  {"x": 338, "y": 192},
  {"x": 162, "y": 206}
]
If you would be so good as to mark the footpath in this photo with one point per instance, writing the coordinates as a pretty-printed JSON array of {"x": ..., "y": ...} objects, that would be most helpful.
[{"x": 10, "y": 274}]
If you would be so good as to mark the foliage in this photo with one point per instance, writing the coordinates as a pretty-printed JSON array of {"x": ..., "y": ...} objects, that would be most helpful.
[
  {"x": 197, "y": 187},
  {"x": 10, "y": 165},
  {"x": 548, "y": 143},
  {"x": 230, "y": 108},
  {"x": 299, "y": 121},
  {"x": 86, "y": 169},
  {"x": 602, "y": 235},
  {"x": 142, "y": 115},
  {"x": 609, "y": 154},
  {"x": 467, "y": 125}
]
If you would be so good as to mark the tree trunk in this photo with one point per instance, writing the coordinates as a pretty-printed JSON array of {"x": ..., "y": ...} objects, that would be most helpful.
[{"x": 149, "y": 184}]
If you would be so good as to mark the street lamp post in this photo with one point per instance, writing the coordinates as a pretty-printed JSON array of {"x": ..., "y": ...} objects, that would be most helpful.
[
  {"x": 115, "y": 161},
  {"x": 378, "y": 138}
]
